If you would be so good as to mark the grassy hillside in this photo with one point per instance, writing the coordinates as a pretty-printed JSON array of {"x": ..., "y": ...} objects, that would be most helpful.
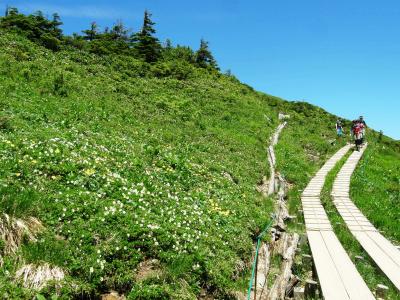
[
  {"x": 141, "y": 176},
  {"x": 375, "y": 187},
  {"x": 121, "y": 168}
]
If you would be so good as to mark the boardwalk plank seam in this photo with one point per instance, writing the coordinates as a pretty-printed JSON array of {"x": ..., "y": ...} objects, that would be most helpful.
[
  {"x": 381, "y": 250},
  {"x": 337, "y": 274}
]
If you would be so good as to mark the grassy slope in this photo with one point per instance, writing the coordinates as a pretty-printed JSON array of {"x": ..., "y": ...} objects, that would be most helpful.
[
  {"x": 124, "y": 168},
  {"x": 304, "y": 147},
  {"x": 375, "y": 187},
  {"x": 121, "y": 168}
]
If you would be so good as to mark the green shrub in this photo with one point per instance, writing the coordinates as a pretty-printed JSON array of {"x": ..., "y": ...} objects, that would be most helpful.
[
  {"x": 5, "y": 123},
  {"x": 59, "y": 85},
  {"x": 20, "y": 55},
  {"x": 50, "y": 42},
  {"x": 177, "y": 69},
  {"x": 150, "y": 291}
]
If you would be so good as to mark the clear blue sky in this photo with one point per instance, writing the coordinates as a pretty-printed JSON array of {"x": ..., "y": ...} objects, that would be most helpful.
[{"x": 342, "y": 55}]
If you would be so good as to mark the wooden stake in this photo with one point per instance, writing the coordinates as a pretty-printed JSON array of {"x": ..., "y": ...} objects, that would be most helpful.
[
  {"x": 310, "y": 288},
  {"x": 381, "y": 291}
]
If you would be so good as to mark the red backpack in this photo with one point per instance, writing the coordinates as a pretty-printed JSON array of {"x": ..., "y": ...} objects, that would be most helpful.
[{"x": 358, "y": 128}]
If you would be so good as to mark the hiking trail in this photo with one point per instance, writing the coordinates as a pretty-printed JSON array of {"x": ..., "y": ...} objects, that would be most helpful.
[
  {"x": 381, "y": 250},
  {"x": 338, "y": 276}
]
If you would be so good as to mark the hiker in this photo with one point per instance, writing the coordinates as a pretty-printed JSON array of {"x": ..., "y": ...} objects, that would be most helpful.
[
  {"x": 339, "y": 128},
  {"x": 364, "y": 125},
  {"x": 358, "y": 131}
]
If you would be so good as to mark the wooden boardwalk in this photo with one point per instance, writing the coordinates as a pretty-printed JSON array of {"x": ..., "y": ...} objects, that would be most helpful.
[
  {"x": 338, "y": 277},
  {"x": 381, "y": 250}
]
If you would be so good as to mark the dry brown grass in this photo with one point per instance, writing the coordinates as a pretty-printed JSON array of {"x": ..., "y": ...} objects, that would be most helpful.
[
  {"x": 148, "y": 268},
  {"x": 37, "y": 276},
  {"x": 13, "y": 231}
]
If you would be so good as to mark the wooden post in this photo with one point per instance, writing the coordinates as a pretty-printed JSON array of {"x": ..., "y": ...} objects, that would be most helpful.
[
  {"x": 294, "y": 280},
  {"x": 298, "y": 293},
  {"x": 287, "y": 250},
  {"x": 303, "y": 239},
  {"x": 310, "y": 288},
  {"x": 306, "y": 259},
  {"x": 359, "y": 257},
  {"x": 381, "y": 291}
]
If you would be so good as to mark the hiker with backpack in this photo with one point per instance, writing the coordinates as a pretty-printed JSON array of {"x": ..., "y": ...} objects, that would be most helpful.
[
  {"x": 358, "y": 132},
  {"x": 364, "y": 125},
  {"x": 339, "y": 128}
]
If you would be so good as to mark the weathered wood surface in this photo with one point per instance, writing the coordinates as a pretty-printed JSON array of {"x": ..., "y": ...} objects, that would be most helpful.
[
  {"x": 276, "y": 185},
  {"x": 338, "y": 276},
  {"x": 287, "y": 250},
  {"x": 381, "y": 250}
]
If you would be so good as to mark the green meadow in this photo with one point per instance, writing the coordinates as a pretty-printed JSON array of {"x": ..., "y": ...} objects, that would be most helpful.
[{"x": 141, "y": 177}]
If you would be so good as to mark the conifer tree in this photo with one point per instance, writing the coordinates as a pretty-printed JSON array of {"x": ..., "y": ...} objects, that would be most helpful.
[
  {"x": 168, "y": 44},
  {"x": 145, "y": 43},
  {"x": 56, "y": 23},
  {"x": 119, "y": 31},
  {"x": 204, "y": 58},
  {"x": 36, "y": 27},
  {"x": 90, "y": 34}
]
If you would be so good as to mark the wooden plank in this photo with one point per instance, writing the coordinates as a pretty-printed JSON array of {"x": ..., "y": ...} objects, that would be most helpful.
[
  {"x": 355, "y": 286},
  {"x": 381, "y": 250},
  {"x": 329, "y": 278},
  {"x": 330, "y": 259},
  {"x": 386, "y": 246},
  {"x": 384, "y": 262}
]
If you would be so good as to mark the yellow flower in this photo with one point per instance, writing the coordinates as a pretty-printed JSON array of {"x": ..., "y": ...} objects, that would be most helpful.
[
  {"x": 89, "y": 172},
  {"x": 18, "y": 174}
]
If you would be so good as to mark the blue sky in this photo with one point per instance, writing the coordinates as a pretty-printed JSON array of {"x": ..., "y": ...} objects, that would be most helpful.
[{"x": 341, "y": 55}]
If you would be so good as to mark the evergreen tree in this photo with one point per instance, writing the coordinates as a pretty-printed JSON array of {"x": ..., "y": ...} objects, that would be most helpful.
[
  {"x": 91, "y": 34},
  {"x": 36, "y": 27},
  {"x": 56, "y": 23},
  {"x": 167, "y": 49},
  {"x": 182, "y": 53},
  {"x": 168, "y": 44},
  {"x": 12, "y": 11},
  {"x": 204, "y": 58},
  {"x": 111, "y": 41},
  {"x": 119, "y": 32},
  {"x": 145, "y": 44},
  {"x": 75, "y": 40}
]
